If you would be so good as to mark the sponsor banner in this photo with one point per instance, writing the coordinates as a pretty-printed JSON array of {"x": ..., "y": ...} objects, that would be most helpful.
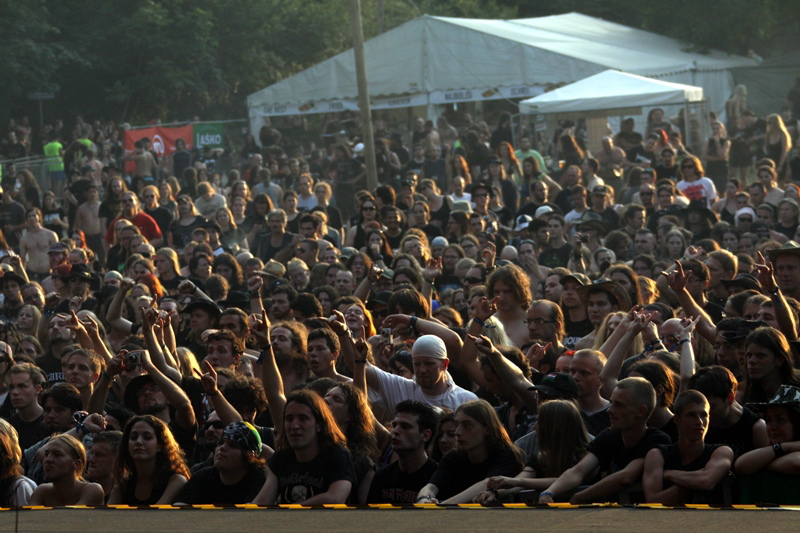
[
  {"x": 474, "y": 95},
  {"x": 210, "y": 134},
  {"x": 162, "y": 141}
]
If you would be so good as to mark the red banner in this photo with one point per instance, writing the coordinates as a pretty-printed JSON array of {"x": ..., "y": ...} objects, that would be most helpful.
[{"x": 162, "y": 140}]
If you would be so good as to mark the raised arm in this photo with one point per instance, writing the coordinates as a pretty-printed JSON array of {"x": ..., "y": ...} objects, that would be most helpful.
[
  {"x": 184, "y": 413},
  {"x": 676, "y": 279},
  {"x": 403, "y": 323},
  {"x": 469, "y": 352},
  {"x": 687, "y": 352},
  {"x": 270, "y": 374},
  {"x": 337, "y": 324},
  {"x": 508, "y": 371},
  {"x": 766, "y": 276},
  {"x": 114, "y": 313},
  {"x": 149, "y": 318},
  {"x": 226, "y": 412}
]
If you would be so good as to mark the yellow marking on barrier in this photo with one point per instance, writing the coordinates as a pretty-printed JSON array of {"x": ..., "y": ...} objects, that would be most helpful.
[
  {"x": 473, "y": 506},
  {"x": 515, "y": 505},
  {"x": 700, "y": 506},
  {"x": 248, "y": 506},
  {"x": 563, "y": 505},
  {"x": 162, "y": 506},
  {"x": 337, "y": 506},
  {"x": 384, "y": 506},
  {"x": 121, "y": 507},
  {"x": 38, "y": 508},
  {"x": 293, "y": 506},
  {"x": 749, "y": 506},
  {"x": 428, "y": 506},
  {"x": 206, "y": 506}
]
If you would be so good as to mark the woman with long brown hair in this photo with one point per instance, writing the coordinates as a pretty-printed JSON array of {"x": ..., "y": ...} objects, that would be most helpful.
[{"x": 150, "y": 468}]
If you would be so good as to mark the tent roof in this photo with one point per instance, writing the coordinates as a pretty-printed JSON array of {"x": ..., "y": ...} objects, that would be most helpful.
[
  {"x": 434, "y": 54},
  {"x": 611, "y": 90}
]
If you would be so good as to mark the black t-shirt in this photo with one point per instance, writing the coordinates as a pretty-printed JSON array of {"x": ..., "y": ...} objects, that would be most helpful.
[
  {"x": 79, "y": 188},
  {"x": 205, "y": 486},
  {"x": 51, "y": 368},
  {"x": 298, "y": 481},
  {"x": 555, "y": 257},
  {"x": 29, "y": 432},
  {"x": 392, "y": 485},
  {"x": 674, "y": 461},
  {"x": 162, "y": 216},
  {"x": 455, "y": 473},
  {"x": 610, "y": 450},
  {"x": 182, "y": 235},
  {"x": 596, "y": 422},
  {"x": 576, "y": 331},
  {"x": 738, "y": 437}
]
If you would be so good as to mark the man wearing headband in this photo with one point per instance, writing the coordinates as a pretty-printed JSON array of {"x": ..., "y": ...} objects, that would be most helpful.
[{"x": 237, "y": 474}]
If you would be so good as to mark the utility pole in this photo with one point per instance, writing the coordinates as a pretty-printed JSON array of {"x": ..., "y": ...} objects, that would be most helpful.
[{"x": 363, "y": 95}]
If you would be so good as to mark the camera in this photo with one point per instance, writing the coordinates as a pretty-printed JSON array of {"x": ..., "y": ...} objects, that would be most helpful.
[
  {"x": 79, "y": 417},
  {"x": 584, "y": 238},
  {"x": 134, "y": 358},
  {"x": 387, "y": 333}
]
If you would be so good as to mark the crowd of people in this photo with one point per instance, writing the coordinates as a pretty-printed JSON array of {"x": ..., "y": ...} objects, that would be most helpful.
[{"x": 488, "y": 325}]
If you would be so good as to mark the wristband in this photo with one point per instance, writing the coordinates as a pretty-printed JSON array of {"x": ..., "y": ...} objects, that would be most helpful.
[
  {"x": 478, "y": 321},
  {"x": 260, "y": 359},
  {"x": 684, "y": 340},
  {"x": 360, "y": 361},
  {"x": 412, "y": 325},
  {"x": 778, "y": 449},
  {"x": 212, "y": 394},
  {"x": 81, "y": 427},
  {"x": 255, "y": 294},
  {"x": 547, "y": 493}
]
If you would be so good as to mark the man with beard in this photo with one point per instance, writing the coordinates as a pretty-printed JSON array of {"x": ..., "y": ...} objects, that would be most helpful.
[
  {"x": 80, "y": 279},
  {"x": 288, "y": 341},
  {"x": 237, "y": 474},
  {"x": 59, "y": 336},
  {"x": 413, "y": 428},
  {"x": 155, "y": 394},
  {"x": 282, "y": 297},
  {"x": 146, "y": 224}
]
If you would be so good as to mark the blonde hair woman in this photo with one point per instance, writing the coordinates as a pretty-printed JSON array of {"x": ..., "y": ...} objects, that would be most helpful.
[{"x": 777, "y": 145}]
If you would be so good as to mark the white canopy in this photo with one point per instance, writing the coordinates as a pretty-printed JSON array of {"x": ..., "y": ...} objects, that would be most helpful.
[
  {"x": 433, "y": 60},
  {"x": 611, "y": 90}
]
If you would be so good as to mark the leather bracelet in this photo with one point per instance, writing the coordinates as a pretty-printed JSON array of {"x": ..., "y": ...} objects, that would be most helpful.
[{"x": 412, "y": 325}]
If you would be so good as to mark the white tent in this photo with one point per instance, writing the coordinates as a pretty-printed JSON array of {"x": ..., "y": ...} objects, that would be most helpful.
[
  {"x": 610, "y": 91},
  {"x": 437, "y": 60}
]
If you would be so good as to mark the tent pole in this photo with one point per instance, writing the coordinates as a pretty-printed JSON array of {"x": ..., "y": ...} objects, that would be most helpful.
[{"x": 363, "y": 95}]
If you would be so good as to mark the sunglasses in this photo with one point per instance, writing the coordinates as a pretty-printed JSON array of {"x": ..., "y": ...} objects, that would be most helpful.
[{"x": 215, "y": 425}]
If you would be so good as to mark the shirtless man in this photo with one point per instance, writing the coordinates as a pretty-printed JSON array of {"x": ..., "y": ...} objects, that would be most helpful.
[
  {"x": 511, "y": 287},
  {"x": 35, "y": 246},
  {"x": 58, "y": 254},
  {"x": 610, "y": 159},
  {"x": 144, "y": 161},
  {"x": 87, "y": 219}
]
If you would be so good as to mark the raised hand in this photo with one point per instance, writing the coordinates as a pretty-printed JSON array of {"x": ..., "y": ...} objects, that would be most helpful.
[
  {"x": 486, "y": 308},
  {"x": 433, "y": 269},
  {"x": 254, "y": 283},
  {"x": 764, "y": 273},
  {"x": 337, "y": 323},
  {"x": 677, "y": 278},
  {"x": 482, "y": 343},
  {"x": 260, "y": 329},
  {"x": 209, "y": 379},
  {"x": 126, "y": 284},
  {"x": 186, "y": 287}
]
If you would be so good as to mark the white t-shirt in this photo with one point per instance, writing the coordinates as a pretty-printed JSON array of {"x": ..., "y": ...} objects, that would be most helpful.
[
  {"x": 702, "y": 189},
  {"x": 395, "y": 389}
]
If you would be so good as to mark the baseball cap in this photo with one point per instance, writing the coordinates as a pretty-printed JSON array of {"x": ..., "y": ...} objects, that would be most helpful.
[{"x": 556, "y": 384}]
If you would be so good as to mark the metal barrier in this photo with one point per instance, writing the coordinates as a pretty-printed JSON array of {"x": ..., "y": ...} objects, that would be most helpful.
[{"x": 37, "y": 165}]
